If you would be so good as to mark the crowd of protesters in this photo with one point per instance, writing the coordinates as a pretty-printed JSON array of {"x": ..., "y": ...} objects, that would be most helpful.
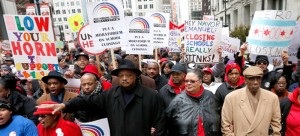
[{"x": 168, "y": 97}]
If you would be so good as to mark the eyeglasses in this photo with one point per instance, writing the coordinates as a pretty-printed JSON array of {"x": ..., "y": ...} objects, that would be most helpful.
[
  {"x": 191, "y": 81},
  {"x": 261, "y": 62}
]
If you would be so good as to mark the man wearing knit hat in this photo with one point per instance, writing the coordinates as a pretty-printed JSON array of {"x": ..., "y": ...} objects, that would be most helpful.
[
  {"x": 53, "y": 125},
  {"x": 251, "y": 110}
]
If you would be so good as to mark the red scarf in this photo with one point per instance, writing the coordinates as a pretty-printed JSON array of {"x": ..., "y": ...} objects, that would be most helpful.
[
  {"x": 177, "y": 89},
  {"x": 232, "y": 66},
  {"x": 196, "y": 94}
]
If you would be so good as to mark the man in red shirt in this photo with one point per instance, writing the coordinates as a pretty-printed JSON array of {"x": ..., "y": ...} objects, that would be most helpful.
[{"x": 53, "y": 125}]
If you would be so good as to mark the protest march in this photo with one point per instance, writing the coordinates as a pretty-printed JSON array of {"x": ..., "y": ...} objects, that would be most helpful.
[{"x": 148, "y": 75}]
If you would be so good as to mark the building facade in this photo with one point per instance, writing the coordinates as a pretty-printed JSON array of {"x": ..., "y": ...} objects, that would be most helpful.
[{"x": 241, "y": 12}]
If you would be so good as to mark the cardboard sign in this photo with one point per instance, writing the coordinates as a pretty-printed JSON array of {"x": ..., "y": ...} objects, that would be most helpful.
[
  {"x": 160, "y": 24},
  {"x": 139, "y": 36},
  {"x": 174, "y": 41},
  {"x": 86, "y": 42},
  {"x": 230, "y": 46},
  {"x": 59, "y": 44},
  {"x": 32, "y": 44},
  {"x": 202, "y": 39},
  {"x": 75, "y": 22},
  {"x": 73, "y": 85},
  {"x": 95, "y": 128},
  {"x": 107, "y": 21},
  {"x": 271, "y": 32}
]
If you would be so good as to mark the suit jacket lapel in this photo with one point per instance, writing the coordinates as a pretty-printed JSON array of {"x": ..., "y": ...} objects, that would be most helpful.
[
  {"x": 118, "y": 95},
  {"x": 245, "y": 106},
  {"x": 260, "y": 111}
]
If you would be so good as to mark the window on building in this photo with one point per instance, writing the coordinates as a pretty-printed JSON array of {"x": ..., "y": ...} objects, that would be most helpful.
[
  {"x": 59, "y": 19},
  {"x": 72, "y": 3},
  {"x": 66, "y": 27},
  {"x": 64, "y": 11},
  {"x": 139, "y": 0},
  {"x": 145, "y": 0},
  {"x": 57, "y": 11},
  {"x": 54, "y": 19},
  {"x": 62, "y": 3},
  {"x": 78, "y": 10},
  {"x": 57, "y": 4},
  {"x": 140, "y": 14},
  {"x": 151, "y": 6},
  {"x": 77, "y": 3},
  {"x": 145, "y": 6},
  {"x": 140, "y": 7},
  {"x": 73, "y": 11},
  {"x": 65, "y": 19}
]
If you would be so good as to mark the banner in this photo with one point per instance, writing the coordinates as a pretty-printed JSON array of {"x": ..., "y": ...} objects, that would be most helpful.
[
  {"x": 230, "y": 46},
  {"x": 32, "y": 44},
  {"x": 75, "y": 22},
  {"x": 73, "y": 85},
  {"x": 271, "y": 32},
  {"x": 202, "y": 39},
  {"x": 86, "y": 42},
  {"x": 95, "y": 128},
  {"x": 139, "y": 35},
  {"x": 107, "y": 21},
  {"x": 174, "y": 41},
  {"x": 160, "y": 24}
]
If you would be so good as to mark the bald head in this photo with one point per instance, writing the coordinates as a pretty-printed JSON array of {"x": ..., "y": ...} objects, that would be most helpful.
[{"x": 89, "y": 83}]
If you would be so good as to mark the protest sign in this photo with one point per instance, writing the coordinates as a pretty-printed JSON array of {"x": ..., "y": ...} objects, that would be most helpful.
[
  {"x": 294, "y": 44},
  {"x": 32, "y": 44},
  {"x": 174, "y": 41},
  {"x": 271, "y": 32},
  {"x": 107, "y": 21},
  {"x": 230, "y": 46},
  {"x": 73, "y": 85},
  {"x": 75, "y": 22},
  {"x": 59, "y": 44},
  {"x": 139, "y": 35},
  {"x": 208, "y": 17},
  {"x": 225, "y": 31},
  {"x": 148, "y": 60},
  {"x": 86, "y": 42},
  {"x": 95, "y": 128},
  {"x": 160, "y": 24},
  {"x": 5, "y": 45},
  {"x": 202, "y": 39}
]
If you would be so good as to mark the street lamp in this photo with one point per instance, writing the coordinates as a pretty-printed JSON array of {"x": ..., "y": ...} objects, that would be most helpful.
[
  {"x": 225, "y": 23},
  {"x": 37, "y": 2}
]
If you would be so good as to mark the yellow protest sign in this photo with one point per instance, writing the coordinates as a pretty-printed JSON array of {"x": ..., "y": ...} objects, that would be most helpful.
[{"x": 75, "y": 22}]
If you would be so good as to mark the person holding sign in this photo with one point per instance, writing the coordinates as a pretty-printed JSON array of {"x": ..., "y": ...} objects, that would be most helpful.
[
  {"x": 132, "y": 109},
  {"x": 82, "y": 59}
]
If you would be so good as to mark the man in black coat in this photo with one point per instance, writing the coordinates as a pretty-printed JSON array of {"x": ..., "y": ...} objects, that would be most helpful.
[
  {"x": 132, "y": 109},
  {"x": 153, "y": 72}
]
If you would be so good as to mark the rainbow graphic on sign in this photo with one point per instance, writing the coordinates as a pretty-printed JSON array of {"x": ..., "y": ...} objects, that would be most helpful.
[
  {"x": 159, "y": 18},
  {"x": 91, "y": 130},
  {"x": 140, "y": 22},
  {"x": 106, "y": 7}
]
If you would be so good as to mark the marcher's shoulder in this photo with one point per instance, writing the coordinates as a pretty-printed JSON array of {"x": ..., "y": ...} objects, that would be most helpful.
[
  {"x": 269, "y": 94},
  {"x": 72, "y": 125},
  {"x": 43, "y": 98},
  {"x": 236, "y": 93},
  {"x": 71, "y": 94},
  {"x": 22, "y": 120}
]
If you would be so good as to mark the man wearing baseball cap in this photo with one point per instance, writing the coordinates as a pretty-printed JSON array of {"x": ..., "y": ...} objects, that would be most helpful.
[{"x": 53, "y": 125}]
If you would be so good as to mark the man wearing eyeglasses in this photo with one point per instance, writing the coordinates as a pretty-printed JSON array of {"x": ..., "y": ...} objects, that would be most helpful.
[{"x": 53, "y": 125}]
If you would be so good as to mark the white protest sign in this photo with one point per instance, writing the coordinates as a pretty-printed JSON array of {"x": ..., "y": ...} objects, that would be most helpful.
[
  {"x": 5, "y": 45},
  {"x": 32, "y": 44},
  {"x": 139, "y": 35},
  {"x": 86, "y": 42},
  {"x": 95, "y": 128},
  {"x": 73, "y": 85},
  {"x": 294, "y": 44},
  {"x": 208, "y": 17},
  {"x": 230, "y": 46},
  {"x": 174, "y": 41},
  {"x": 225, "y": 31},
  {"x": 107, "y": 21},
  {"x": 160, "y": 24},
  {"x": 202, "y": 39},
  {"x": 271, "y": 32}
]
